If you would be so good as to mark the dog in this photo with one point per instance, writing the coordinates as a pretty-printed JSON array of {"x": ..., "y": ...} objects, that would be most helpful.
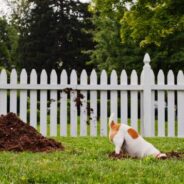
[{"x": 133, "y": 144}]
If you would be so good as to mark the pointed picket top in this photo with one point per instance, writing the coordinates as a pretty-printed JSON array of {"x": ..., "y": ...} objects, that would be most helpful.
[
  {"x": 13, "y": 76},
  {"x": 43, "y": 77},
  {"x": 23, "y": 76},
  {"x": 152, "y": 77},
  {"x": 53, "y": 77},
  {"x": 123, "y": 77},
  {"x": 93, "y": 77},
  {"x": 170, "y": 77},
  {"x": 134, "y": 77},
  {"x": 160, "y": 77},
  {"x": 142, "y": 76},
  {"x": 33, "y": 77},
  {"x": 103, "y": 77},
  {"x": 84, "y": 77},
  {"x": 180, "y": 77},
  {"x": 3, "y": 76},
  {"x": 146, "y": 59},
  {"x": 64, "y": 77},
  {"x": 73, "y": 77},
  {"x": 114, "y": 77}
]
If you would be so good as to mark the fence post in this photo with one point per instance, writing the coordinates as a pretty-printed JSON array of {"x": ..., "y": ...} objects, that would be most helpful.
[{"x": 147, "y": 81}]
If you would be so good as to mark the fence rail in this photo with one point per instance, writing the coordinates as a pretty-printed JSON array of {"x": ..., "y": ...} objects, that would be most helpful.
[{"x": 81, "y": 106}]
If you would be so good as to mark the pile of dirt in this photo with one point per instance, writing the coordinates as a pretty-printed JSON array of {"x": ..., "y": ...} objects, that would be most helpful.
[
  {"x": 16, "y": 135},
  {"x": 170, "y": 155},
  {"x": 174, "y": 154}
]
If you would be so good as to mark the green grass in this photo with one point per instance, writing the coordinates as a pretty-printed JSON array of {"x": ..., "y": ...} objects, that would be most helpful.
[{"x": 85, "y": 160}]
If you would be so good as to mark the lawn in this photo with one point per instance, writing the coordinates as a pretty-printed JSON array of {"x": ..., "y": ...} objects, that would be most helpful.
[{"x": 85, "y": 160}]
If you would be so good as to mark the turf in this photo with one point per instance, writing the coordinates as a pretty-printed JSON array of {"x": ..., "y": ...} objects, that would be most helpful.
[{"x": 85, "y": 160}]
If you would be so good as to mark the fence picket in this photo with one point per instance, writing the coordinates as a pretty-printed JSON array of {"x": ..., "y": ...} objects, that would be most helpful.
[
  {"x": 43, "y": 105},
  {"x": 170, "y": 103},
  {"x": 134, "y": 101},
  {"x": 124, "y": 101},
  {"x": 93, "y": 105},
  {"x": 3, "y": 93},
  {"x": 63, "y": 105},
  {"x": 53, "y": 105},
  {"x": 103, "y": 105},
  {"x": 73, "y": 105},
  {"x": 161, "y": 105},
  {"x": 83, "y": 106},
  {"x": 147, "y": 97},
  {"x": 13, "y": 93},
  {"x": 180, "y": 103},
  {"x": 152, "y": 124},
  {"x": 23, "y": 96},
  {"x": 142, "y": 106},
  {"x": 114, "y": 95},
  {"x": 33, "y": 100}
]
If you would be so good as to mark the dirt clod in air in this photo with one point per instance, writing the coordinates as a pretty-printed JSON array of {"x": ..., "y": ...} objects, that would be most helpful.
[
  {"x": 67, "y": 90},
  {"x": 78, "y": 99},
  {"x": 16, "y": 135}
]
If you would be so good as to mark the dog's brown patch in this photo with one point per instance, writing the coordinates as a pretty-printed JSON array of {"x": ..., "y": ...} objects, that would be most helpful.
[
  {"x": 115, "y": 126},
  {"x": 114, "y": 129},
  {"x": 133, "y": 133}
]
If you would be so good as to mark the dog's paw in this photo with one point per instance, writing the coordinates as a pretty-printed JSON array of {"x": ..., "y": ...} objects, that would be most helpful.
[{"x": 161, "y": 156}]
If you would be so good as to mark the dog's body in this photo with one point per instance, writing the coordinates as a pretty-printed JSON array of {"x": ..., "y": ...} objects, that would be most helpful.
[{"x": 132, "y": 142}]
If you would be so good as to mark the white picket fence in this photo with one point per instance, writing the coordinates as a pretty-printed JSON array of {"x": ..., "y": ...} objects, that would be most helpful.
[{"x": 153, "y": 108}]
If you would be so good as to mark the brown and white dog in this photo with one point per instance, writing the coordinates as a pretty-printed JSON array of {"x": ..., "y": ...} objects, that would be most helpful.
[{"x": 125, "y": 136}]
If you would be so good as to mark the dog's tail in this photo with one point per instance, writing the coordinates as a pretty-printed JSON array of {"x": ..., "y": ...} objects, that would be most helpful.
[{"x": 111, "y": 120}]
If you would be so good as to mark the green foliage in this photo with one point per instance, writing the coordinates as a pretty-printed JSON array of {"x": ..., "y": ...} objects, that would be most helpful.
[
  {"x": 8, "y": 44},
  {"x": 85, "y": 160},
  {"x": 124, "y": 33},
  {"x": 110, "y": 53},
  {"x": 157, "y": 27},
  {"x": 53, "y": 34}
]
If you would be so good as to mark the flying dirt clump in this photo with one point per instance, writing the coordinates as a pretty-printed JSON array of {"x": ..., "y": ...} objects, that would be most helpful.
[{"x": 16, "y": 135}]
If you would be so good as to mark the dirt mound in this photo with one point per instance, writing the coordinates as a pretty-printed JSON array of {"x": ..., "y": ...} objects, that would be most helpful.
[
  {"x": 122, "y": 155},
  {"x": 15, "y": 135},
  {"x": 170, "y": 155},
  {"x": 174, "y": 154}
]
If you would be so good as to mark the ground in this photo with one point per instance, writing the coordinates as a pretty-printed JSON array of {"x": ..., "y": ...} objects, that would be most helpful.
[{"x": 85, "y": 160}]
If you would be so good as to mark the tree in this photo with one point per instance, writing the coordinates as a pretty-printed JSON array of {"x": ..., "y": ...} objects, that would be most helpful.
[
  {"x": 8, "y": 44},
  {"x": 157, "y": 27},
  {"x": 110, "y": 53},
  {"x": 54, "y": 34}
]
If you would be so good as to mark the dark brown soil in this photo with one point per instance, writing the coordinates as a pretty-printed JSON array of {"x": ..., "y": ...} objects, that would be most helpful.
[
  {"x": 170, "y": 155},
  {"x": 174, "y": 154},
  {"x": 122, "y": 155},
  {"x": 16, "y": 135},
  {"x": 78, "y": 100}
]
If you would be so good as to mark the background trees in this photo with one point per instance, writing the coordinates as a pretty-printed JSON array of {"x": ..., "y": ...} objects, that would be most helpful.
[
  {"x": 157, "y": 27},
  {"x": 110, "y": 53},
  {"x": 108, "y": 34},
  {"x": 8, "y": 44},
  {"x": 125, "y": 31},
  {"x": 53, "y": 34}
]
